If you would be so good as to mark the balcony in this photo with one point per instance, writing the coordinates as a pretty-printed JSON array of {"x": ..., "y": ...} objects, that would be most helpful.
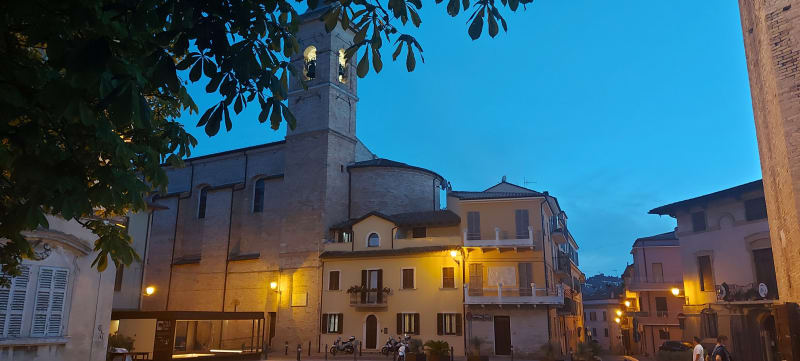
[
  {"x": 368, "y": 298},
  {"x": 563, "y": 265},
  {"x": 560, "y": 235},
  {"x": 514, "y": 296},
  {"x": 637, "y": 284},
  {"x": 501, "y": 239}
]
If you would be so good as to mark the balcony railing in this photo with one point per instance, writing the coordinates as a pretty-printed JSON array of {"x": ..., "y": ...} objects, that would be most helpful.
[
  {"x": 513, "y": 295},
  {"x": 372, "y": 298},
  {"x": 727, "y": 292},
  {"x": 662, "y": 314},
  {"x": 501, "y": 239}
]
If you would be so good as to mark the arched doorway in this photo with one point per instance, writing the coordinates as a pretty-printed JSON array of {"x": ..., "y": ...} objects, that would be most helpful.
[
  {"x": 371, "y": 336},
  {"x": 769, "y": 339}
]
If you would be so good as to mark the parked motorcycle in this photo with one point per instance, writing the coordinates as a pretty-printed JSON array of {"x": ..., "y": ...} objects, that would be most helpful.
[
  {"x": 390, "y": 347},
  {"x": 346, "y": 346}
]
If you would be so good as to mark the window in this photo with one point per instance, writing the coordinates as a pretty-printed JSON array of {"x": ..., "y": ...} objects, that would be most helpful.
[
  {"x": 661, "y": 307},
  {"x": 706, "y": 273},
  {"x": 344, "y": 237},
  {"x": 708, "y": 323},
  {"x": 699, "y": 221},
  {"x": 594, "y": 331},
  {"x": 755, "y": 209},
  {"x": 473, "y": 225},
  {"x": 331, "y": 323},
  {"x": 333, "y": 281},
  {"x": 408, "y": 323},
  {"x": 448, "y": 324},
  {"x": 402, "y": 233},
  {"x": 118, "y": 278},
  {"x": 663, "y": 334},
  {"x": 419, "y": 232},
  {"x": 521, "y": 217},
  {"x": 658, "y": 272},
  {"x": 374, "y": 240},
  {"x": 12, "y": 304},
  {"x": 201, "y": 205},
  {"x": 592, "y": 316},
  {"x": 605, "y": 332},
  {"x": 604, "y": 316},
  {"x": 448, "y": 277},
  {"x": 408, "y": 278},
  {"x": 342, "y": 67},
  {"x": 310, "y": 65},
  {"x": 48, "y": 311},
  {"x": 258, "y": 196}
]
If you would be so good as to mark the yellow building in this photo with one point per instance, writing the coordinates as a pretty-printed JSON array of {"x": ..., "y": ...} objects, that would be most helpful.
[
  {"x": 522, "y": 280},
  {"x": 388, "y": 275}
]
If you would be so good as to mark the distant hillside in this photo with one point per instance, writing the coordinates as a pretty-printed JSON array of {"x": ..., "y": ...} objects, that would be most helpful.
[{"x": 602, "y": 286}]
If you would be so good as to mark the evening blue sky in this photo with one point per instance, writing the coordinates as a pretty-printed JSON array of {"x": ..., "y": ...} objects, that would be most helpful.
[{"x": 614, "y": 107}]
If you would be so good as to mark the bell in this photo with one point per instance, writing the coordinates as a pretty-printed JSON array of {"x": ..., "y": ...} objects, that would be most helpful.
[{"x": 311, "y": 69}]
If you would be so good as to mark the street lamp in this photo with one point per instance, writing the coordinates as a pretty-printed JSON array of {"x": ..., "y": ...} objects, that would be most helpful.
[
  {"x": 627, "y": 303},
  {"x": 675, "y": 291},
  {"x": 619, "y": 313},
  {"x": 454, "y": 254},
  {"x": 149, "y": 290},
  {"x": 273, "y": 286},
  {"x": 617, "y": 320}
]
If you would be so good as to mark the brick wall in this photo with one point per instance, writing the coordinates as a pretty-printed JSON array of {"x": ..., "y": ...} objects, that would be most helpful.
[{"x": 771, "y": 31}]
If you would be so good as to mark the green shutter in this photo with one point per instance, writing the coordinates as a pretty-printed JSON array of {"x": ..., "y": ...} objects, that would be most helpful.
[
  {"x": 439, "y": 323},
  {"x": 458, "y": 324},
  {"x": 416, "y": 324}
]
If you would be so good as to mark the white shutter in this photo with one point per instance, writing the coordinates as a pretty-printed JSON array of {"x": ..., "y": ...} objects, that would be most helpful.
[
  {"x": 12, "y": 304},
  {"x": 48, "y": 312}
]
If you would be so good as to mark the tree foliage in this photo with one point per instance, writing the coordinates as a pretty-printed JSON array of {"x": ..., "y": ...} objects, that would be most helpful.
[{"x": 91, "y": 90}]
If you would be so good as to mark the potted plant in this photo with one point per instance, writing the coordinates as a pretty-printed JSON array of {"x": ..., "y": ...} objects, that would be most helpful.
[
  {"x": 548, "y": 351},
  {"x": 437, "y": 350},
  {"x": 414, "y": 351}
]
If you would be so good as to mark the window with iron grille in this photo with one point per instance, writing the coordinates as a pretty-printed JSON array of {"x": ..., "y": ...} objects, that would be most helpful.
[{"x": 332, "y": 323}]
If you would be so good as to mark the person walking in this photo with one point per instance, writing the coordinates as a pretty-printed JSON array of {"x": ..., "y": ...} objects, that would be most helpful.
[
  {"x": 698, "y": 354},
  {"x": 720, "y": 352}
]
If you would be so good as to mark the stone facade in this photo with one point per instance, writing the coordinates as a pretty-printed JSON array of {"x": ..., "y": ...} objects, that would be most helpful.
[{"x": 772, "y": 43}]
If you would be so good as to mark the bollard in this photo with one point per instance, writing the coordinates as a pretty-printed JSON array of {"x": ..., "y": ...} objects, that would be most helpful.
[
  {"x": 299, "y": 350},
  {"x": 286, "y": 348},
  {"x": 451, "y": 353},
  {"x": 355, "y": 354},
  {"x": 359, "y": 349},
  {"x": 309, "y": 348},
  {"x": 326, "y": 351},
  {"x": 512, "y": 352}
]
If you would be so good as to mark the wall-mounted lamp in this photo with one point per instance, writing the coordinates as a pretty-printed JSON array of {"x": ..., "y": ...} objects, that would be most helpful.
[
  {"x": 273, "y": 286},
  {"x": 617, "y": 320},
  {"x": 454, "y": 254},
  {"x": 627, "y": 303},
  {"x": 149, "y": 290},
  {"x": 619, "y": 313},
  {"x": 675, "y": 291}
]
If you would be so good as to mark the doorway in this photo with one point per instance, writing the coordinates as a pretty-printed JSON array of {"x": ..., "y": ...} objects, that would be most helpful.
[
  {"x": 372, "y": 332},
  {"x": 502, "y": 335},
  {"x": 769, "y": 339},
  {"x": 272, "y": 318}
]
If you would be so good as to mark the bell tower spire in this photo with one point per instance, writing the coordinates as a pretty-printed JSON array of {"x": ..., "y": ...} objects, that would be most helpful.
[{"x": 329, "y": 102}]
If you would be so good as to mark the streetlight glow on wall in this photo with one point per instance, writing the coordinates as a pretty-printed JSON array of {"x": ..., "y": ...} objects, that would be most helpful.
[
  {"x": 149, "y": 290},
  {"x": 675, "y": 291},
  {"x": 453, "y": 253}
]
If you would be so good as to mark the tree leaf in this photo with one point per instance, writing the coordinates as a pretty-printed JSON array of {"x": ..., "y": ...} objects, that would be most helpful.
[
  {"x": 453, "y": 7},
  {"x": 363, "y": 65},
  {"x": 377, "y": 64},
  {"x": 275, "y": 117},
  {"x": 493, "y": 28},
  {"x": 212, "y": 127},
  {"x": 237, "y": 105},
  {"x": 291, "y": 122},
  {"x": 415, "y": 17},
  {"x": 411, "y": 63},
  {"x": 397, "y": 51},
  {"x": 196, "y": 72},
  {"x": 476, "y": 28},
  {"x": 228, "y": 123}
]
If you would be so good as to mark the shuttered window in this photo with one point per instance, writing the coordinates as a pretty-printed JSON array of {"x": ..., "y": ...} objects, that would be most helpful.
[
  {"x": 408, "y": 323},
  {"x": 12, "y": 304},
  {"x": 408, "y": 278},
  {"x": 258, "y": 196},
  {"x": 332, "y": 323},
  {"x": 448, "y": 324},
  {"x": 706, "y": 273},
  {"x": 473, "y": 225},
  {"x": 51, "y": 292},
  {"x": 521, "y": 217},
  {"x": 699, "y": 221},
  {"x": 333, "y": 281},
  {"x": 448, "y": 277}
]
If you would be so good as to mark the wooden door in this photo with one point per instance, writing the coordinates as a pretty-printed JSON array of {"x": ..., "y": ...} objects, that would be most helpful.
[
  {"x": 502, "y": 335},
  {"x": 371, "y": 341}
]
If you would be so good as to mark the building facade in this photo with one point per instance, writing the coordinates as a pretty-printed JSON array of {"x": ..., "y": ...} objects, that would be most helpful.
[
  {"x": 729, "y": 278},
  {"x": 400, "y": 275},
  {"x": 522, "y": 283},
  {"x": 600, "y": 312},
  {"x": 58, "y": 308},
  {"x": 654, "y": 290}
]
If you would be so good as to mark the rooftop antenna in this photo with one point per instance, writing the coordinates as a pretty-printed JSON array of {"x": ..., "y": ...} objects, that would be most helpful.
[{"x": 525, "y": 181}]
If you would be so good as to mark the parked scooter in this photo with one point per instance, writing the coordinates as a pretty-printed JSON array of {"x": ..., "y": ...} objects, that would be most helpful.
[
  {"x": 390, "y": 347},
  {"x": 346, "y": 346}
]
